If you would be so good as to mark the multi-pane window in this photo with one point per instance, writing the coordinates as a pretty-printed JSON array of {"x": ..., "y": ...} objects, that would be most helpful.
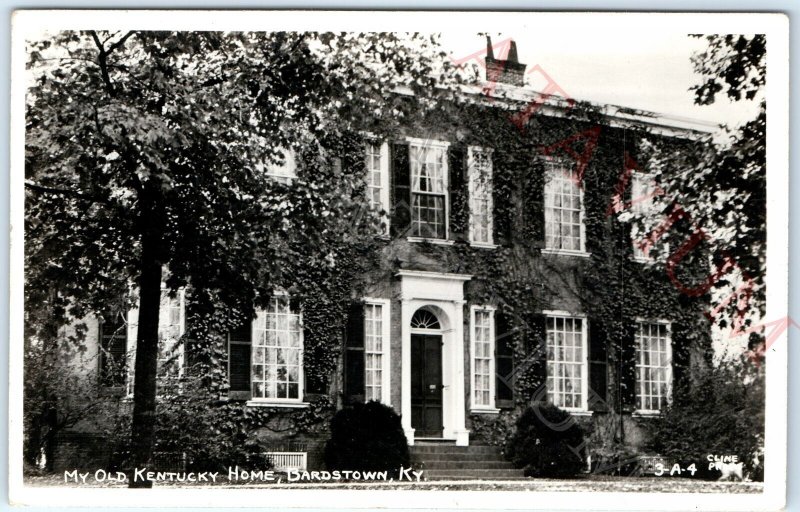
[
  {"x": 566, "y": 362},
  {"x": 563, "y": 209},
  {"x": 480, "y": 195},
  {"x": 113, "y": 349},
  {"x": 277, "y": 352},
  {"x": 170, "y": 348},
  {"x": 653, "y": 366},
  {"x": 643, "y": 189},
  {"x": 482, "y": 358},
  {"x": 428, "y": 162},
  {"x": 286, "y": 169},
  {"x": 377, "y": 156},
  {"x": 373, "y": 351}
]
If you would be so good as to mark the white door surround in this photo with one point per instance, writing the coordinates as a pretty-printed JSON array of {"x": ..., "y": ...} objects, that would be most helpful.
[{"x": 442, "y": 294}]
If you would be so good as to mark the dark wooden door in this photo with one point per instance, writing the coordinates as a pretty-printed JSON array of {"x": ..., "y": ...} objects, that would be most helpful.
[{"x": 426, "y": 385}]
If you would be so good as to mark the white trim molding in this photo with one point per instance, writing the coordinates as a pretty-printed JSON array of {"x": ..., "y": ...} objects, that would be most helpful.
[
  {"x": 488, "y": 408},
  {"x": 444, "y": 294},
  {"x": 386, "y": 388},
  {"x": 638, "y": 390},
  {"x": 584, "y": 362},
  {"x": 473, "y": 178}
]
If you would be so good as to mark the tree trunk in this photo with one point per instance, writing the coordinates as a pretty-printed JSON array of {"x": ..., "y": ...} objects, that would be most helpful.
[{"x": 144, "y": 383}]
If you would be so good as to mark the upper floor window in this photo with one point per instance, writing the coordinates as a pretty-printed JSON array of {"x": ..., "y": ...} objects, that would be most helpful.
[
  {"x": 277, "y": 363},
  {"x": 377, "y": 156},
  {"x": 286, "y": 170},
  {"x": 567, "y": 371},
  {"x": 643, "y": 189},
  {"x": 428, "y": 163},
  {"x": 479, "y": 164},
  {"x": 563, "y": 209},
  {"x": 653, "y": 366}
]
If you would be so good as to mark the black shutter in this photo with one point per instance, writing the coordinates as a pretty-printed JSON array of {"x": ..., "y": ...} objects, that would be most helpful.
[
  {"x": 533, "y": 204},
  {"x": 239, "y": 346},
  {"x": 627, "y": 371},
  {"x": 503, "y": 208},
  {"x": 354, "y": 391},
  {"x": 598, "y": 366},
  {"x": 459, "y": 202},
  {"x": 504, "y": 342},
  {"x": 400, "y": 190},
  {"x": 536, "y": 358},
  {"x": 681, "y": 375}
]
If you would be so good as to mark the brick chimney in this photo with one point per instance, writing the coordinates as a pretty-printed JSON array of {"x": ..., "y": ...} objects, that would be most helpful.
[{"x": 509, "y": 71}]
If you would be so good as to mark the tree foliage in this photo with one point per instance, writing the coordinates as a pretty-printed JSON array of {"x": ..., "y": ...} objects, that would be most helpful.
[
  {"x": 150, "y": 152},
  {"x": 723, "y": 184}
]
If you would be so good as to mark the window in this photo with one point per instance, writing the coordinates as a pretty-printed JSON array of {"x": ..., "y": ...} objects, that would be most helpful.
[
  {"x": 643, "y": 189},
  {"x": 483, "y": 371},
  {"x": 277, "y": 361},
  {"x": 378, "y": 178},
  {"x": 479, "y": 163},
  {"x": 566, "y": 362},
  {"x": 285, "y": 171},
  {"x": 376, "y": 344},
  {"x": 428, "y": 161},
  {"x": 170, "y": 348},
  {"x": 653, "y": 366},
  {"x": 563, "y": 211},
  {"x": 113, "y": 350}
]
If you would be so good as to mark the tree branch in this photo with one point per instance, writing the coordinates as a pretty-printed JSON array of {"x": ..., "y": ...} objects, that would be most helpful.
[{"x": 62, "y": 191}]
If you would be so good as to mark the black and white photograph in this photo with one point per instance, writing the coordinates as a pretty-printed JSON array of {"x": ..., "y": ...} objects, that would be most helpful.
[{"x": 478, "y": 259}]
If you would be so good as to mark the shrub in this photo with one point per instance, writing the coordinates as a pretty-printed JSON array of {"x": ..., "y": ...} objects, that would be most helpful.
[
  {"x": 367, "y": 437},
  {"x": 548, "y": 442},
  {"x": 722, "y": 414}
]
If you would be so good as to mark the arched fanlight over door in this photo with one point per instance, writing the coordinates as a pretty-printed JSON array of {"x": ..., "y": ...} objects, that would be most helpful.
[{"x": 424, "y": 319}]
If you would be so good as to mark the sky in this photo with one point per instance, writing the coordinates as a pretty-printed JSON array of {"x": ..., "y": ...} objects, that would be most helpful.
[{"x": 628, "y": 69}]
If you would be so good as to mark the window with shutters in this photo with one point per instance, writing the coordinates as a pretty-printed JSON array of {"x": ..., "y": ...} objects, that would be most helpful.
[
  {"x": 376, "y": 345},
  {"x": 643, "y": 189},
  {"x": 113, "y": 350},
  {"x": 429, "y": 192},
  {"x": 563, "y": 210},
  {"x": 479, "y": 165},
  {"x": 483, "y": 364},
  {"x": 377, "y": 155},
  {"x": 277, "y": 347},
  {"x": 653, "y": 366},
  {"x": 567, "y": 373},
  {"x": 239, "y": 347}
]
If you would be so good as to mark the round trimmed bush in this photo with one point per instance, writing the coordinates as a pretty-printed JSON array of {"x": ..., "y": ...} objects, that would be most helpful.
[
  {"x": 367, "y": 437},
  {"x": 548, "y": 442}
]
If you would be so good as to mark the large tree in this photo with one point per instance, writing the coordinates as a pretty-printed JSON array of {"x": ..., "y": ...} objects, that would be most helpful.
[
  {"x": 721, "y": 183},
  {"x": 148, "y": 156}
]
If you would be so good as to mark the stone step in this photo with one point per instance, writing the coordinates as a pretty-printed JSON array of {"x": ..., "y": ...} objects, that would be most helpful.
[
  {"x": 451, "y": 448},
  {"x": 467, "y": 457},
  {"x": 460, "y": 464},
  {"x": 473, "y": 474}
]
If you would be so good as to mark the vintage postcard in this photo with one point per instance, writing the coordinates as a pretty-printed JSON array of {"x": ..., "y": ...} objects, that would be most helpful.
[{"x": 478, "y": 259}]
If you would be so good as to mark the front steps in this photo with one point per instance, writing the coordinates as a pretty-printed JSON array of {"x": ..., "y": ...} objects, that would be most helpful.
[{"x": 446, "y": 461}]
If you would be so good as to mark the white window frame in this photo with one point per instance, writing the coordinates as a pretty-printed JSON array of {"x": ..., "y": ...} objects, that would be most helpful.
[
  {"x": 669, "y": 368},
  {"x": 385, "y": 348},
  {"x": 644, "y": 208},
  {"x": 584, "y": 407},
  {"x": 472, "y": 176},
  {"x": 383, "y": 156},
  {"x": 489, "y": 408},
  {"x": 289, "y": 165},
  {"x": 550, "y": 172},
  {"x": 274, "y": 401},
  {"x": 444, "y": 146}
]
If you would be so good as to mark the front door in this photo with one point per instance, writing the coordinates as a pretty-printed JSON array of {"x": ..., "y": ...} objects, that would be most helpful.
[{"x": 426, "y": 385}]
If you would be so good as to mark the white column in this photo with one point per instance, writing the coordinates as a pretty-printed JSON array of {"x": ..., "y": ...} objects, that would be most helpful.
[
  {"x": 405, "y": 369},
  {"x": 457, "y": 383}
]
